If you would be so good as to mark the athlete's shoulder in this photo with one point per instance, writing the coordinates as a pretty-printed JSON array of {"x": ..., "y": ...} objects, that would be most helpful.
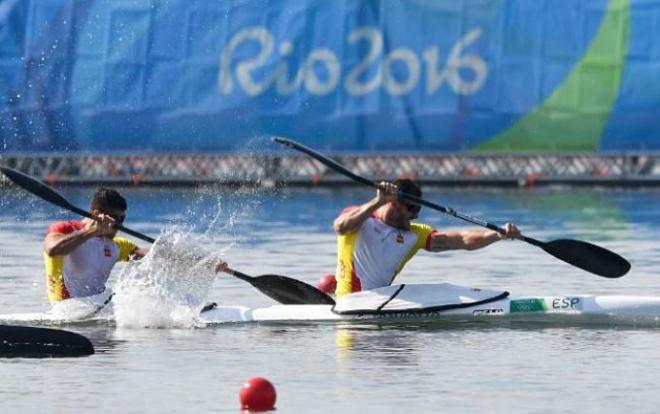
[
  {"x": 65, "y": 227},
  {"x": 126, "y": 247},
  {"x": 421, "y": 227},
  {"x": 123, "y": 242},
  {"x": 424, "y": 233}
]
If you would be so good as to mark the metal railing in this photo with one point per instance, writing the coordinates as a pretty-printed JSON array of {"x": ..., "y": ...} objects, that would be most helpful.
[{"x": 270, "y": 169}]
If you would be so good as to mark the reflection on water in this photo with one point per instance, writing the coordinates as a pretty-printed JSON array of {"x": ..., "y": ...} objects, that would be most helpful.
[
  {"x": 396, "y": 345},
  {"x": 391, "y": 346},
  {"x": 104, "y": 339}
]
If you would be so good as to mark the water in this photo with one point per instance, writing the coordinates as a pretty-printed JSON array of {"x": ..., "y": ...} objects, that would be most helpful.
[{"x": 328, "y": 368}]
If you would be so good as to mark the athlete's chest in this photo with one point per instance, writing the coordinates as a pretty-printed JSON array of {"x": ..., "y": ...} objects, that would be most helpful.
[
  {"x": 98, "y": 252},
  {"x": 377, "y": 234}
]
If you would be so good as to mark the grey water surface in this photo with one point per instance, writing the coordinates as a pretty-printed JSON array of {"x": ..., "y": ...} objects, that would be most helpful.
[{"x": 341, "y": 367}]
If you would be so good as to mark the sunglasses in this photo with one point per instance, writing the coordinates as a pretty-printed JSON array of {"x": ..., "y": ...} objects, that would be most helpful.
[{"x": 412, "y": 208}]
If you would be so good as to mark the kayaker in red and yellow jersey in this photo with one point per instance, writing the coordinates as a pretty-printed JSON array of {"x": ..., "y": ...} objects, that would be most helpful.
[
  {"x": 376, "y": 239},
  {"x": 79, "y": 255}
]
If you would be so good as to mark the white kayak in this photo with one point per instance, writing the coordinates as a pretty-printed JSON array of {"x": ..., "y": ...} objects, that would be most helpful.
[
  {"x": 398, "y": 303},
  {"x": 445, "y": 301}
]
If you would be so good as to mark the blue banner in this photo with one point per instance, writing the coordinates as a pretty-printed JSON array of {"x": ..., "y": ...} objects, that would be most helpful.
[{"x": 364, "y": 76}]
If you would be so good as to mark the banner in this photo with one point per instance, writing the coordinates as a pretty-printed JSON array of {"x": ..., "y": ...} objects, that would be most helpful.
[{"x": 361, "y": 76}]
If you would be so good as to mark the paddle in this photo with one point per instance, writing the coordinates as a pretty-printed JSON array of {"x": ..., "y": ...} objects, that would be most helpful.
[
  {"x": 30, "y": 342},
  {"x": 586, "y": 256},
  {"x": 285, "y": 290},
  {"x": 282, "y": 289},
  {"x": 47, "y": 193}
]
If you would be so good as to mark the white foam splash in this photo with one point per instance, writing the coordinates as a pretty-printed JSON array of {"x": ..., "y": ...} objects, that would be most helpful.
[
  {"x": 77, "y": 309},
  {"x": 168, "y": 287}
]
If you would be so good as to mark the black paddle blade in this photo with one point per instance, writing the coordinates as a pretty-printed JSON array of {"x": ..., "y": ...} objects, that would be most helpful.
[
  {"x": 30, "y": 342},
  {"x": 288, "y": 291},
  {"x": 589, "y": 257}
]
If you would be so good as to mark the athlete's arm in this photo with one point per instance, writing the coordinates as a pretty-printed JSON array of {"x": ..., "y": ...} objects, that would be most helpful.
[
  {"x": 469, "y": 240},
  {"x": 59, "y": 244},
  {"x": 351, "y": 220}
]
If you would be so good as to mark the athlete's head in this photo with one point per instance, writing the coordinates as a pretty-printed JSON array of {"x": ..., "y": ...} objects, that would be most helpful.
[
  {"x": 408, "y": 186},
  {"x": 108, "y": 201}
]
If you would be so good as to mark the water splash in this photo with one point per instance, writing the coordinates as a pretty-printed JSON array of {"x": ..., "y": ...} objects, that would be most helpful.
[{"x": 169, "y": 286}]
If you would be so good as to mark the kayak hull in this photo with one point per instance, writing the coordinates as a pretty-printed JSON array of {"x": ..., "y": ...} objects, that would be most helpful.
[
  {"x": 535, "y": 308},
  {"x": 396, "y": 304}
]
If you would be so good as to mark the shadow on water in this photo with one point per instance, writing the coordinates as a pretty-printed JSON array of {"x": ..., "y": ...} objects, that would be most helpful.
[
  {"x": 451, "y": 323},
  {"x": 104, "y": 338}
]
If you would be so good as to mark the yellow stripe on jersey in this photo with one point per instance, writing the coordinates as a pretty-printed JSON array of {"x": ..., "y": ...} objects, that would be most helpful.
[
  {"x": 54, "y": 282},
  {"x": 344, "y": 272}
]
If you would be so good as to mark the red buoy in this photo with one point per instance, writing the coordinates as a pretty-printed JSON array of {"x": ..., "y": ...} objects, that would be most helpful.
[
  {"x": 257, "y": 394},
  {"x": 327, "y": 283}
]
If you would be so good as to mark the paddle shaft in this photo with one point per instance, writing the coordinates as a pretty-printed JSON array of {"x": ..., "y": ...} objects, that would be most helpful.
[
  {"x": 462, "y": 216},
  {"x": 118, "y": 226},
  {"x": 587, "y": 256},
  {"x": 47, "y": 193},
  {"x": 408, "y": 197},
  {"x": 239, "y": 275}
]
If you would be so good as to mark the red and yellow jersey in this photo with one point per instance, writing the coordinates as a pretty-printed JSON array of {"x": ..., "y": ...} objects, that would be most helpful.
[
  {"x": 372, "y": 256},
  {"x": 84, "y": 271}
]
